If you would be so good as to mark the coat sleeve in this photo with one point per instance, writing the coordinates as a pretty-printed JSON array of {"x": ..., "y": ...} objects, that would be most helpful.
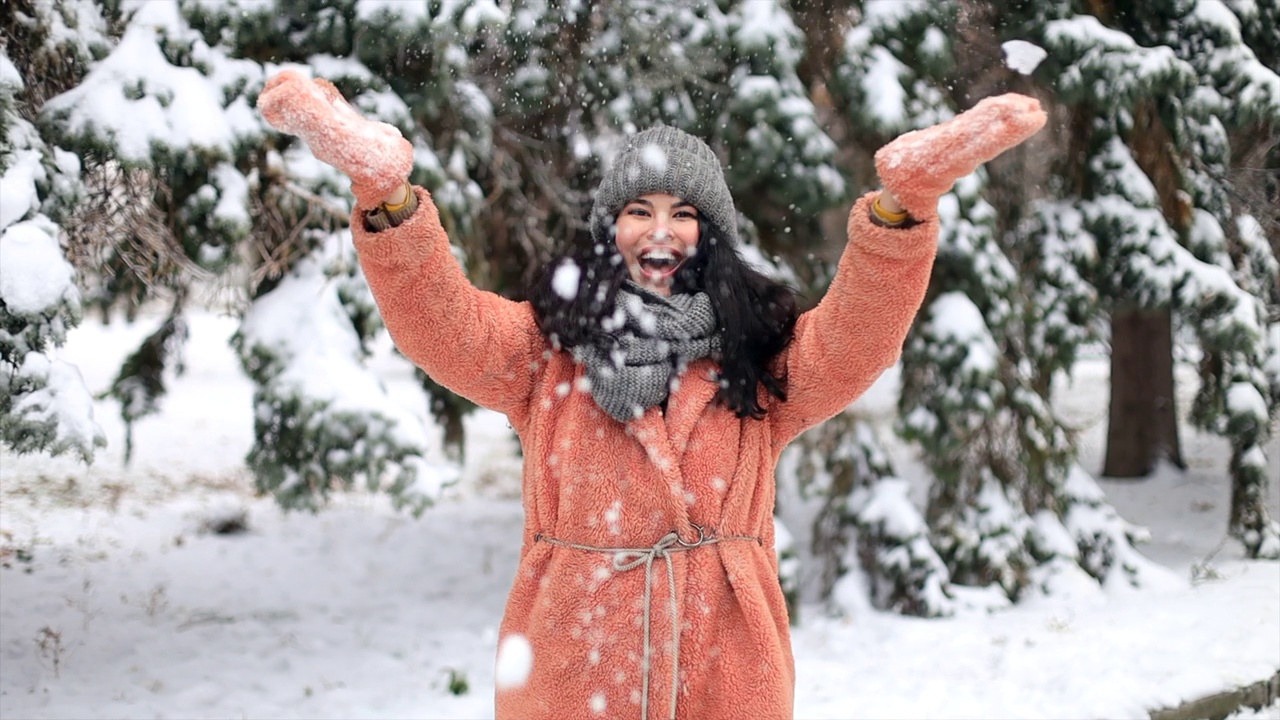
[
  {"x": 476, "y": 343},
  {"x": 856, "y": 332}
]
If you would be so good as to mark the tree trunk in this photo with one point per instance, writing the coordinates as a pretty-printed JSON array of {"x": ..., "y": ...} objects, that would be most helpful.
[{"x": 1143, "y": 426}]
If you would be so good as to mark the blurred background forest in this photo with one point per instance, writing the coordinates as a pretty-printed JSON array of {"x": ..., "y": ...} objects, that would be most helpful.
[{"x": 1144, "y": 222}]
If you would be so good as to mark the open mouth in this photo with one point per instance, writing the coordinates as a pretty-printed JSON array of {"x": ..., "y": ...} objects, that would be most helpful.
[{"x": 660, "y": 262}]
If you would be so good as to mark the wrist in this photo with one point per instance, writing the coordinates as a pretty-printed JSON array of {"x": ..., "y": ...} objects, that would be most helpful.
[
  {"x": 888, "y": 210},
  {"x": 889, "y": 202},
  {"x": 398, "y": 198},
  {"x": 386, "y": 216}
]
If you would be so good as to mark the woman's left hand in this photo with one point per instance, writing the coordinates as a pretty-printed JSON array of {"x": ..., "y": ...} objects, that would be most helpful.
[{"x": 920, "y": 166}]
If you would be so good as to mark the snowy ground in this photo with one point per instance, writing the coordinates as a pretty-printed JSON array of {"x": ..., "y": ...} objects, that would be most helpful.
[{"x": 118, "y": 602}]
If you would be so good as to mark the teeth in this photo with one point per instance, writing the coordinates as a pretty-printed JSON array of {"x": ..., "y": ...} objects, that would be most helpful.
[{"x": 658, "y": 254}]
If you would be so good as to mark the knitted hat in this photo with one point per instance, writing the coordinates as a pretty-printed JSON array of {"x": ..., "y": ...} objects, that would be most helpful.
[{"x": 664, "y": 159}]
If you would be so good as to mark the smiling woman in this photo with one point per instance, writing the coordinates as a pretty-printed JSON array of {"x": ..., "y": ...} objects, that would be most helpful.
[
  {"x": 664, "y": 226},
  {"x": 656, "y": 233},
  {"x": 652, "y": 401}
]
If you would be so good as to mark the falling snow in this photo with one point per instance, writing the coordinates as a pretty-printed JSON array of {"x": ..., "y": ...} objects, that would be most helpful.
[
  {"x": 564, "y": 282},
  {"x": 515, "y": 660},
  {"x": 1022, "y": 56}
]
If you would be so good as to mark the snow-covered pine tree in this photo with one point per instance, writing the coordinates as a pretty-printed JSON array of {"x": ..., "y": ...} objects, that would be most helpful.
[
  {"x": 781, "y": 166},
  {"x": 1075, "y": 527},
  {"x": 898, "y": 73},
  {"x": 1236, "y": 399},
  {"x": 44, "y": 404},
  {"x": 573, "y": 81},
  {"x": 322, "y": 420},
  {"x": 183, "y": 194},
  {"x": 871, "y": 544},
  {"x": 166, "y": 203},
  {"x": 454, "y": 119},
  {"x": 1156, "y": 196},
  {"x": 956, "y": 401},
  {"x": 867, "y": 537},
  {"x": 439, "y": 103},
  {"x": 782, "y": 162},
  {"x": 975, "y": 381}
]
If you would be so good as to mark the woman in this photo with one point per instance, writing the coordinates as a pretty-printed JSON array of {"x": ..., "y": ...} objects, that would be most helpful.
[{"x": 653, "y": 382}]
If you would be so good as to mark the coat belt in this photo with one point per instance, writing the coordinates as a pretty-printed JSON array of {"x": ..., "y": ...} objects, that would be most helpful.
[{"x": 625, "y": 559}]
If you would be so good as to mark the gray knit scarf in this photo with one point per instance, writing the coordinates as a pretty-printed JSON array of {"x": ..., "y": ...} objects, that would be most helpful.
[{"x": 649, "y": 339}]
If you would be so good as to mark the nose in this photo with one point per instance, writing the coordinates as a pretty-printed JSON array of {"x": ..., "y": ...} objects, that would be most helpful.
[{"x": 661, "y": 226}]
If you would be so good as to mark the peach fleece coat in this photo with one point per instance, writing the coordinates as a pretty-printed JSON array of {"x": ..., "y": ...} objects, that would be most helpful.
[{"x": 593, "y": 482}]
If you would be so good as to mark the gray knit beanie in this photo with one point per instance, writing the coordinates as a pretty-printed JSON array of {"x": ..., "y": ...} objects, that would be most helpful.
[{"x": 667, "y": 160}]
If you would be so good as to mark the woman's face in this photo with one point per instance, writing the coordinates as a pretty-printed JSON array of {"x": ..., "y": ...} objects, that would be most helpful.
[{"x": 656, "y": 234}]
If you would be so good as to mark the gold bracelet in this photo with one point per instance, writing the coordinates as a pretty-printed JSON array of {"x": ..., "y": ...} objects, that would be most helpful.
[
  {"x": 408, "y": 195},
  {"x": 892, "y": 218}
]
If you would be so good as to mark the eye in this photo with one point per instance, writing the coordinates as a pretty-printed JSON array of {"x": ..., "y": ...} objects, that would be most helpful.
[
  {"x": 687, "y": 214},
  {"x": 637, "y": 210}
]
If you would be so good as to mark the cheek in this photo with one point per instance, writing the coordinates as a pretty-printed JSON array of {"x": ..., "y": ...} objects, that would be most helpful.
[
  {"x": 625, "y": 238},
  {"x": 689, "y": 237}
]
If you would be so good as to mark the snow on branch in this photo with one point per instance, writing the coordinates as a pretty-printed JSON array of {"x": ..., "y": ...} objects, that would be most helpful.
[
  {"x": 44, "y": 404},
  {"x": 324, "y": 421}
]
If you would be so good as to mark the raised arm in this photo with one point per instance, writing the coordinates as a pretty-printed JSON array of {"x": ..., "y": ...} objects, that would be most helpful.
[
  {"x": 844, "y": 343},
  {"x": 856, "y": 332},
  {"x": 478, "y": 344}
]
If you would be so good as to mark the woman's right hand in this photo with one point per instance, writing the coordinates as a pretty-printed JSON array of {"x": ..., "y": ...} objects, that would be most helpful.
[{"x": 373, "y": 154}]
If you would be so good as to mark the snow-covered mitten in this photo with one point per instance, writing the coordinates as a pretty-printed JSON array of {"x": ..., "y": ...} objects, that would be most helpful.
[
  {"x": 373, "y": 154},
  {"x": 920, "y": 166}
]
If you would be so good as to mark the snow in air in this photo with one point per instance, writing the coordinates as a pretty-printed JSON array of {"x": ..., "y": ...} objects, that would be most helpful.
[
  {"x": 1022, "y": 56},
  {"x": 515, "y": 660},
  {"x": 655, "y": 157},
  {"x": 565, "y": 279}
]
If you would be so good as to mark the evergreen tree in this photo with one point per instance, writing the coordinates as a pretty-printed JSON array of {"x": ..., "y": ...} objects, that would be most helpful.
[
  {"x": 417, "y": 76},
  {"x": 782, "y": 162},
  {"x": 323, "y": 420},
  {"x": 957, "y": 404},
  {"x": 186, "y": 186},
  {"x": 978, "y": 367},
  {"x": 869, "y": 540},
  {"x": 315, "y": 426},
  {"x": 514, "y": 109},
  {"x": 159, "y": 141},
  {"x": 1155, "y": 195},
  {"x": 1236, "y": 398},
  {"x": 44, "y": 404}
]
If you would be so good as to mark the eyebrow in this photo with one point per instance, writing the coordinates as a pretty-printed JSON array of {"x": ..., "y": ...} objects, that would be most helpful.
[{"x": 677, "y": 204}]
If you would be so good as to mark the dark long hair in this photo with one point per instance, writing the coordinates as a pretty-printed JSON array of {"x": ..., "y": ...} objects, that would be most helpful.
[{"x": 756, "y": 316}]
